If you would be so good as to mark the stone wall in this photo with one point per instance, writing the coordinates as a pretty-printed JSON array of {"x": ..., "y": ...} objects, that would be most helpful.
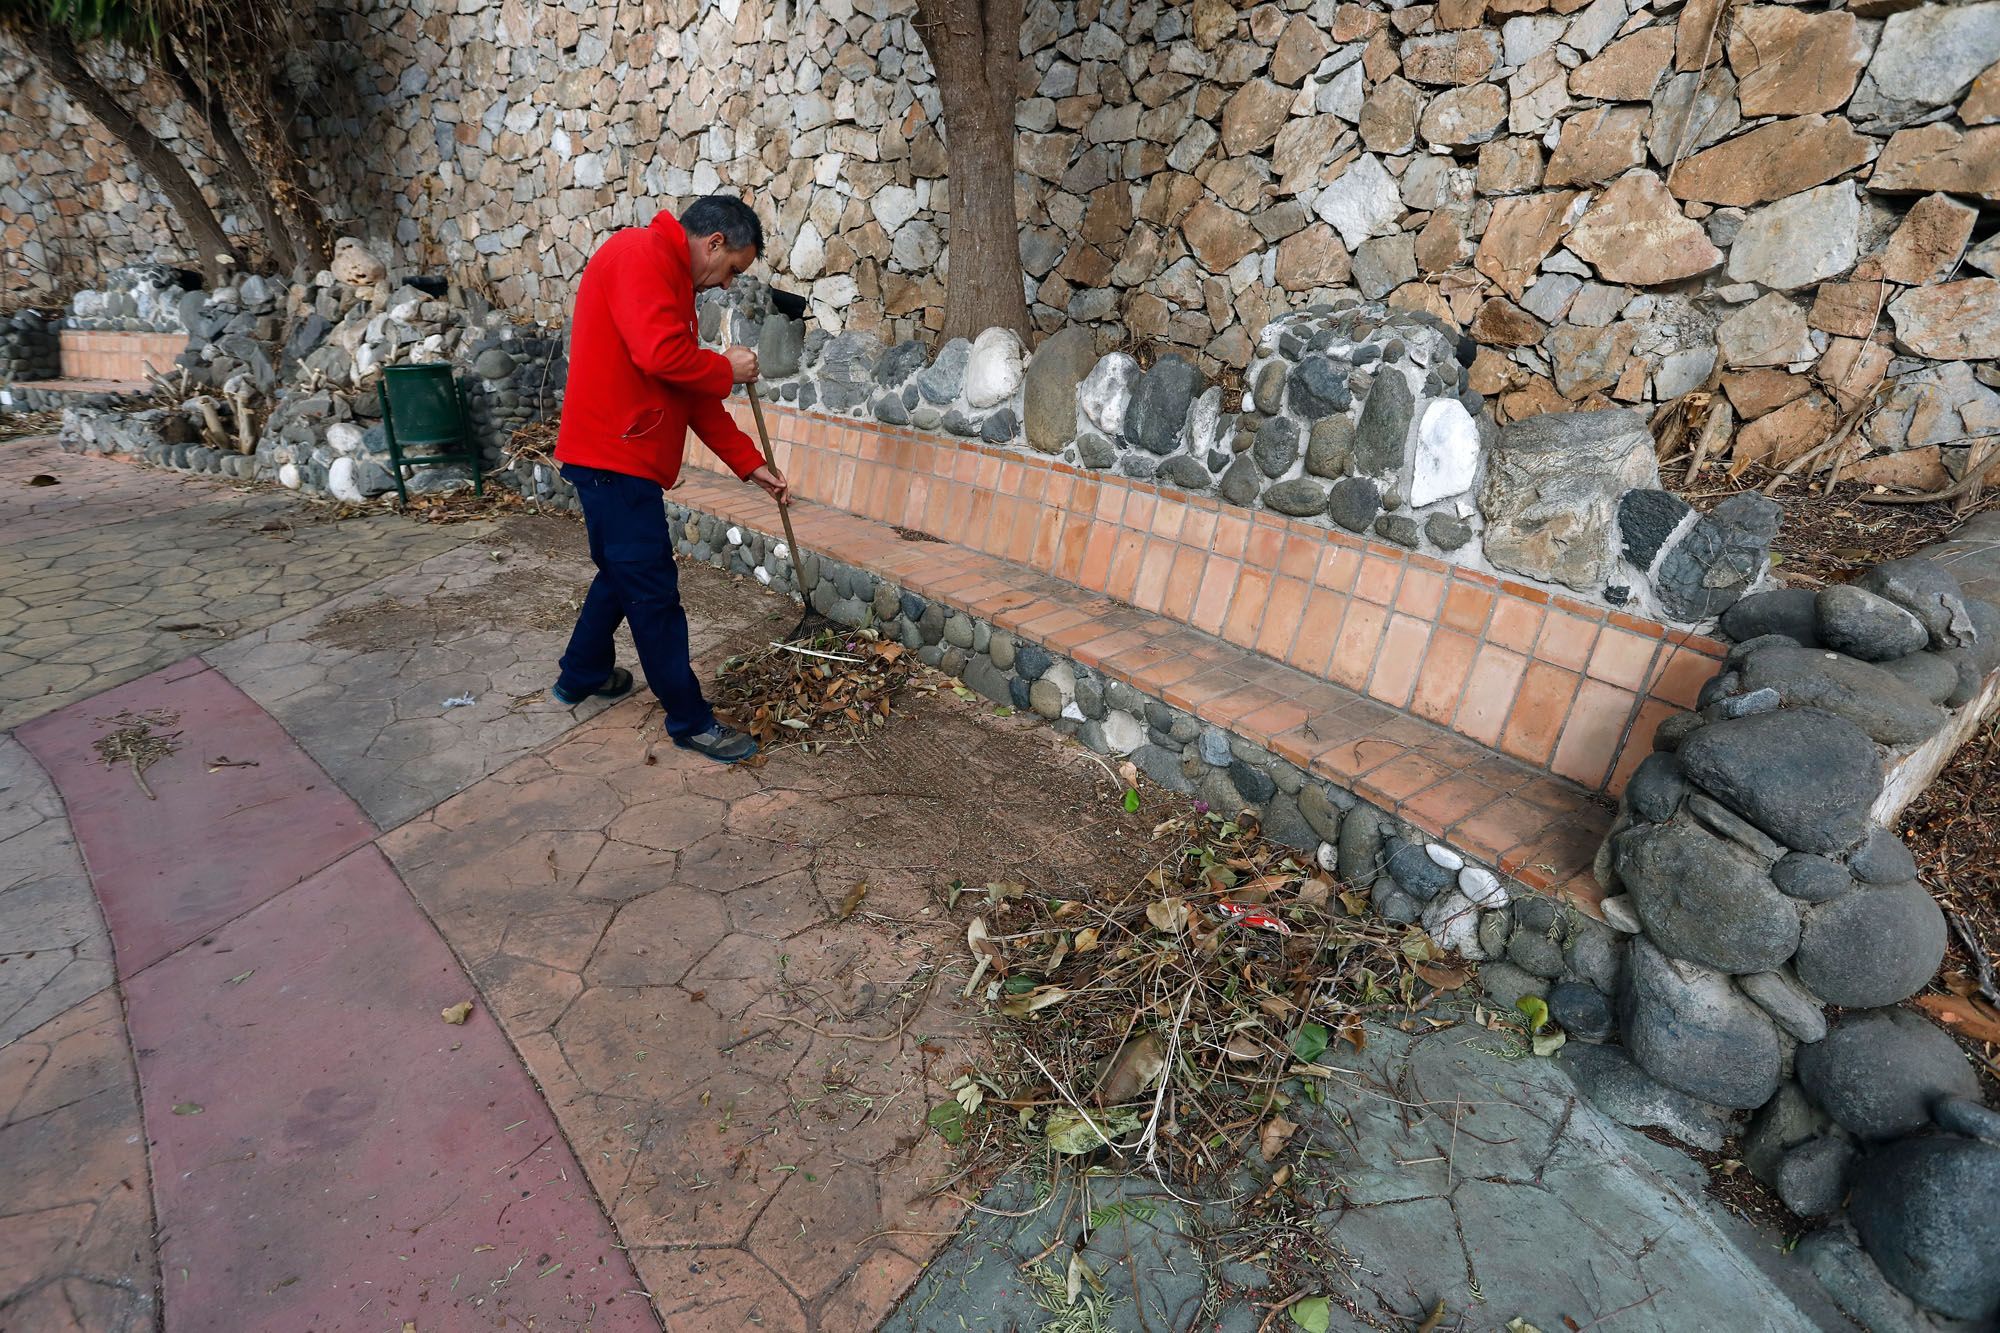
[
  {"x": 28, "y": 348},
  {"x": 1617, "y": 203},
  {"x": 1758, "y": 886}
]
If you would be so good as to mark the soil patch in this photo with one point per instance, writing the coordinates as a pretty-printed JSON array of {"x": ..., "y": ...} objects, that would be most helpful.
[
  {"x": 1954, "y": 829},
  {"x": 1830, "y": 538},
  {"x": 534, "y": 599}
]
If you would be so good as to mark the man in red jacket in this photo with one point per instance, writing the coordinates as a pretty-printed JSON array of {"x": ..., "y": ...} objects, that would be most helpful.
[{"x": 639, "y": 380}]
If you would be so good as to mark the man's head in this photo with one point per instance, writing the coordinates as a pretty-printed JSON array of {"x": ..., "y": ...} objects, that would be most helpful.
[{"x": 724, "y": 238}]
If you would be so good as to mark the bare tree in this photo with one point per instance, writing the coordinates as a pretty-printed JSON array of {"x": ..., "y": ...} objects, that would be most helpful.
[
  {"x": 975, "y": 50},
  {"x": 49, "y": 40}
]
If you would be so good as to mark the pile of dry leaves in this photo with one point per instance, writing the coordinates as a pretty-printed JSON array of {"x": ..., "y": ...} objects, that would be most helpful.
[
  {"x": 1163, "y": 1022},
  {"x": 832, "y": 689}
]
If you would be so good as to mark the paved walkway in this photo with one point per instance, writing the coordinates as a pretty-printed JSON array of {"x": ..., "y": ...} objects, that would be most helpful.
[{"x": 691, "y": 1089}]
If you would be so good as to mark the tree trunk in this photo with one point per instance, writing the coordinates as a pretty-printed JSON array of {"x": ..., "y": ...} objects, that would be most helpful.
[
  {"x": 60, "y": 62},
  {"x": 975, "y": 49},
  {"x": 269, "y": 128},
  {"x": 243, "y": 174}
]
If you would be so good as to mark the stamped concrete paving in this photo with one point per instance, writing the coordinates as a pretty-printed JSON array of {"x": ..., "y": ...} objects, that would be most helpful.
[
  {"x": 734, "y": 1067},
  {"x": 92, "y": 593}
]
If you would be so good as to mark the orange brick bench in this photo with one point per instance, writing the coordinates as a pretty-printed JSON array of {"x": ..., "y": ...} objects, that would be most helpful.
[
  {"x": 1572, "y": 689},
  {"x": 1512, "y": 815}
]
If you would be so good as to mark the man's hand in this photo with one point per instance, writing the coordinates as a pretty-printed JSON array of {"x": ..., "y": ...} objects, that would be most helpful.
[
  {"x": 743, "y": 362},
  {"x": 773, "y": 481}
]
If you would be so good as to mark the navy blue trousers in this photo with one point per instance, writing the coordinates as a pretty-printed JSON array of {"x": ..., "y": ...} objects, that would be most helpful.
[{"x": 636, "y": 583}]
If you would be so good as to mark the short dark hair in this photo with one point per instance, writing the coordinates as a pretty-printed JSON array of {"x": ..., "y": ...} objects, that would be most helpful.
[{"x": 726, "y": 214}]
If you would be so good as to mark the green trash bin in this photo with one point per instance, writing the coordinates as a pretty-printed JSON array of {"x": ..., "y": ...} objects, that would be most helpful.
[{"x": 424, "y": 413}]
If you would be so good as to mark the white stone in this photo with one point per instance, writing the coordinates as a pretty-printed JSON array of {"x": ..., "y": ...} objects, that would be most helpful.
[
  {"x": 1482, "y": 886},
  {"x": 1592, "y": 30},
  {"x": 1529, "y": 35},
  {"x": 1364, "y": 202},
  {"x": 734, "y": 536},
  {"x": 894, "y": 205},
  {"x": 1619, "y": 914},
  {"x": 994, "y": 373},
  {"x": 1107, "y": 391},
  {"x": 521, "y": 117},
  {"x": 1343, "y": 95},
  {"x": 781, "y": 551},
  {"x": 1443, "y": 856},
  {"x": 762, "y": 575},
  {"x": 1446, "y": 461},
  {"x": 1453, "y": 922},
  {"x": 344, "y": 437},
  {"x": 1682, "y": 372},
  {"x": 1205, "y": 430},
  {"x": 808, "y": 255},
  {"x": 1328, "y": 858},
  {"x": 1063, "y": 676},
  {"x": 1123, "y": 733},
  {"x": 288, "y": 476},
  {"x": 1800, "y": 240},
  {"x": 1073, "y": 713},
  {"x": 826, "y": 168}
]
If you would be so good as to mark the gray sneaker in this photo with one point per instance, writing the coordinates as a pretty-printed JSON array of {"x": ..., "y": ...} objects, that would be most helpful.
[{"x": 724, "y": 744}]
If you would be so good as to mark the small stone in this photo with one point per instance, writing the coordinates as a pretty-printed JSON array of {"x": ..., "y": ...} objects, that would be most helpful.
[
  {"x": 1482, "y": 887},
  {"x": 1878, "y": 1072},
  {"x": 1276, "y": 450},
  {"x": 1400, "y": 529},
  {"x": 1161, "y": 404},
  {"x": 1354, "y": 502},
  {"x": 1453, "y": 922},
  {"x": 1446, "y": 459},
  {"x": 1105, "y": 395},
  {"x": 1384, "y": 427},
  {"x": 1883, "y": 859},
  {"x": 1962, "y": 1115},
  {"x": 1421, "y": 878},
  {"x": 1447, "y": 532},
  {"x": 1058, "y": 367},
  {"x": 1552, "y": 489},
  {"x": 1787, "y": 611},
  {"x": 1506, "y": 984},
  {"x": 1812, "y": 1180},
  {"x": 1610, "y": 1081},
  {"x": 1925, "y": 58},
  {"x": 1790, "y": 1006},
  {"x": 994, "y": 370},
  {"x": 1301, "y": 497},
  {"x": 1584, "y": 1012},
  {"x": 1363, "y": 202},
  {"x": 1646, "y": 518},
  {"x": 1318, "y": 389},
  {"x": 1361, "y": 846},
  {"x": 1810, "y": 878},
  {"x": 1620, "y": 914}
]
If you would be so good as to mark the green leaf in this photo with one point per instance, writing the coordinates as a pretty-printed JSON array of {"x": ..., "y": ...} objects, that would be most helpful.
[
  {"x": 1020, "y": 985},
  {"x": 948, "y": 1119},
  {"x": 1070, "y": 1134},
  {"x": 1535, "y": 1010},
  {"x": 1309, "y": 1043},
  {"x": 1131, "y": 802},
  {"x": 1312, "y": 1314},
  {"x": 187, "y": 1108}
]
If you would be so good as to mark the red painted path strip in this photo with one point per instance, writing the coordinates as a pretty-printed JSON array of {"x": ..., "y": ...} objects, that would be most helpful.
[
  {"x": 327, "y": 1153},
  {"x": 212, "y": 845}
]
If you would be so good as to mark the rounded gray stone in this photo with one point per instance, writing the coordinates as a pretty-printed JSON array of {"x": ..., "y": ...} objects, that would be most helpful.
[
  {"x": 1872, "y": 947},
  {"x": 1354, "y": 502},
  {"x": 1584, "y": 1012},
  {"x": 1319, "y": 388},
  {"x": 1883, "y": 859},
  {"x": 1705, "y": 899},
  {"x": 1805, "y": 777},
  {"x": 1862, "y": 624},
  {"x": 1875, "y": 700},
  {"x": 1927, "y": 591},
  {"x": 1878, "y": 1072},
  {"x": 1810, "y": 878},
  {"x": 1046, "y": 698},
  {"x": 1421, "y": 877},
  {"x": 1360, "y": 850},
  {"x": 1812, "y": 1178},
  {"x": 1505, "y": 984},
  {"x": 1924, "y": 1211},
  {"x": 1690, "y": 1028},
  {"x": 1330, "y": 447},
  {"x": 1932, "y": 675},
  {"x": 1301, "y": 497},
  {"x": 1786, "y": 611},
  {"x": 1656, "y": 788}
]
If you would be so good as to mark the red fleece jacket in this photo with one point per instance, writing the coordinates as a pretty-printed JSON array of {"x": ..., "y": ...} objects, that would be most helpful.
[{"x": 638, "y": 375}]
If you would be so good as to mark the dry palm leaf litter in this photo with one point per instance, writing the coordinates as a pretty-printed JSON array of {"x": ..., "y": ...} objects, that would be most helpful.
[{"x": 832, "y": 689}]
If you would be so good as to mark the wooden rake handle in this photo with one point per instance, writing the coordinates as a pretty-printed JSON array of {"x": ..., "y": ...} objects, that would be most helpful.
[{"x": 784, "y": 510}]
